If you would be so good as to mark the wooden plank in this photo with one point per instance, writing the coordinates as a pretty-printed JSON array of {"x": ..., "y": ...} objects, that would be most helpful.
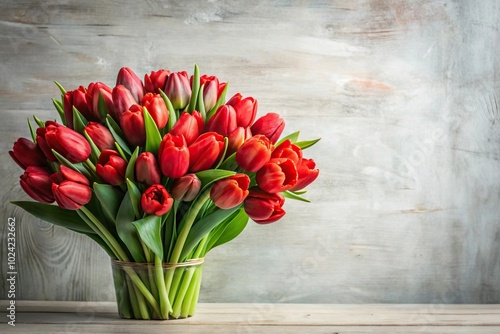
[{"x": 404, "y": 94}]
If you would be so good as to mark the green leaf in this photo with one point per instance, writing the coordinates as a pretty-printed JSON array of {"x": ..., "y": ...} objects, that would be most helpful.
[
  {"x": 293, "y": 138},
  {"x": 230, "y": 163},
  {"x": 79, "y": 122},
  {"x": 127, "y": 231},
  {"x": 135, "y": 197},
  {"x": 110, "y": 198},
  {"x": 209, "y": 176},
  {"x": 39, "y": 122},
  {"x": 170, "y": 230},
  {"x": 226, "y": 143},
  {"x": 307, "y": 143},
  {"x": 102, "y": 107},
  {"x": 291, "y": 195},
  {"x": 122, "y": 154},
  {"x": 130, "y": 171},
  {"x": 61, "y": 88},
  {"x": 153, "y": 137},
  {"x": 117, "y": 134},
  {"x": 220, "y": 101},
  {"x": 229, "y": 230},
  {"x": 172, "y": 114},
  {"x": 201, "y": 104},
  {"x": 60, "y": 110},
  {"x": 205, "y": 225},
  {"x": 78, "y": 168},
  {"x": 32, "y": 131},
  {"x": 55, "y": 215},
  {"x": 194, "y": 89},
  {"x": 94, "y": 150},
  {"x": 149, "y": 229}
]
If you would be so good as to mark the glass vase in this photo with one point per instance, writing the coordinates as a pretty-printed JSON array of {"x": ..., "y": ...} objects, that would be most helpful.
[{"x": 157, "y": 290}]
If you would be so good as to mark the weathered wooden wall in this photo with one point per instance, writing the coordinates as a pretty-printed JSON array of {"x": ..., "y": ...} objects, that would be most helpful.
[{"x": 404, "y": 94}]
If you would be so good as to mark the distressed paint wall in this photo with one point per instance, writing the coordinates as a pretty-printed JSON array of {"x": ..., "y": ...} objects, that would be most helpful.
[{"x": 404, "y": 94}]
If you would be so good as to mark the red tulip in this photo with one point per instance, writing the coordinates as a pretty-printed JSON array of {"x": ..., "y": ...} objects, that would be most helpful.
[
  {"x": 26, "y": 153},
  {"x": 205, "y": 151},
  {"x": 237, "y": 138},
  {"x": 156, "y": 200},
  {"x": 186, "y": 188},
  {"x": 156, "y": 108},
  {"x": 223, "y": 121},
  {"x": 111, "y": 167},
  {"x": 69, "y": 143},
  {"x": 42, "y": 142},
  {"x": 211, "y": 91},
  {"x": 132, "y": 124},
  {"x": 37, "y": 184},
  {"x": 270, "y": 125},
  {"x": 178, "y": 89},
  {"x": 277, "y": 175},
  {"x": 100, "y": 135},
  {"x": 155, "y": 81},
  {"x": 188, "y": 125},
  {"x": 230, "y": 192},
  {"x": 97, "y": 91},
  {"x": 146, "y": 169},
  {"x": 173, "y": 156},
  {"x": 246, "y": 109},
  {"x": 122, "y": 101},
  {"x": 81, "y": 100},
  {"x": 129, "y": 79},
  {"x": 289, "y": 151},
  {"x": 263, "y": 207},
  {"x": 70, "y": 188},
  {"x": 254, "y": 153},
  {"x": 307, "y": 173}
]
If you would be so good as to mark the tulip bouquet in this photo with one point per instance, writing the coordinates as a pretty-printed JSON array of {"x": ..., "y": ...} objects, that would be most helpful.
[{"x": 158, "y": 172}]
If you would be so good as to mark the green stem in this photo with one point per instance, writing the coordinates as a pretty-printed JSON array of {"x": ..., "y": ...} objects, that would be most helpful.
[
  {"x": 181, "y": 239},
  {"x": 142, "y": 288},
  {"x": 141, "y": 303},
  {"x": 133, "y": 297},
  {"x": 122, "y": 256},
  {"x": 165, "y": 306},
  {"x": 191, "y": 299},
  {"x": 98, "y": 232}
]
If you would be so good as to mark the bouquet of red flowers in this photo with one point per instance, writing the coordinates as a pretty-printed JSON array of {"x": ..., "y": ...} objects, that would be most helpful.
[{"x": 158, "y": 172}]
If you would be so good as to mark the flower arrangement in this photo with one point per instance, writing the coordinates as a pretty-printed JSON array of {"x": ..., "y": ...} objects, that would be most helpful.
[{"x": 158, "y": 172}]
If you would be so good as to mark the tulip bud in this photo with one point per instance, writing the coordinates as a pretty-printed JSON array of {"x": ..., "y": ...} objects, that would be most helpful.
[
  {"x": 111, "y": 167},
  {"x": 156, "y": 200},
  {"x": 146, "y": 169},
  {"x": 173, "y": 156},
  {"x": 186, "y": 188},
  {"x": 70, "y": 188},
  {"x": 270, "y": 125},
  {"x": 178, "y": 89},
  {"x": 246, "y": 109},
  {"x": 81, "y": 100},
  {"x": 211, "y": 91},
  {"x": 263, "y": 207},
  {"x": 122, "y": 101},
  {"x": 224, "y": 121},
  {"x": 100, "y": 90},
  {"x": 307, "y": 173},
  {"x": 26, "y": 153},
  {"x": 188, "y": 125},
  {"x": 289, "y": 151},
  {"x": 37, "y": 184},
  {"x": 254, "y": 153},
  {"x": 156, "y": 108},
  {"x": 237, "y": 138},
  {"x": 129, "y": 79},
  {"x": 155, "y": 81},
  {"x": 132, "y": 124},
  {"x": 68, "y": 143},
  {"x": 205, "y": 151},
  {"x": 42, "y": 142},
  {"x": 230, "y": 192},
  {"x": 100, "y": 135},
  {"x": 277, "y": 175}
]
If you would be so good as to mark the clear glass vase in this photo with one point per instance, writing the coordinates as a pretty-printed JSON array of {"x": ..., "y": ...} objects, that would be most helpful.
[{"x": 157, "y": 290}]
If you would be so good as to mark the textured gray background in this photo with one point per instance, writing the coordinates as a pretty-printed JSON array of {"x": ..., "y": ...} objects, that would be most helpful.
[{"x": 404, "y": 94}]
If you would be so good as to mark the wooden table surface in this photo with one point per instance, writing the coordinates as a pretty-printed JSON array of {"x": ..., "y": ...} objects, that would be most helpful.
[{"x": 101, "y": 317}]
